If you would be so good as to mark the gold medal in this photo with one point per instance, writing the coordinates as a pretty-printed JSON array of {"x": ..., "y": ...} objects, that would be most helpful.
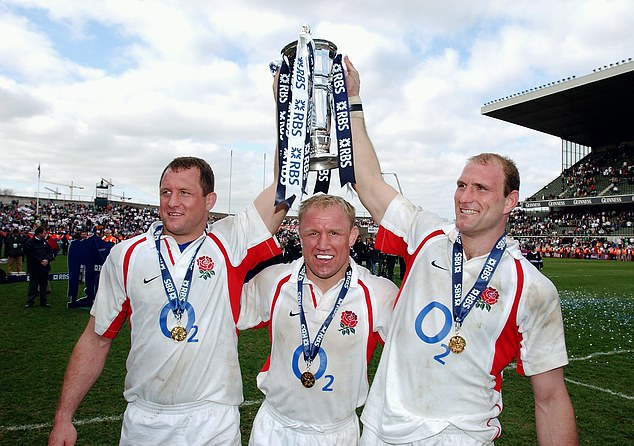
[
  {"x": 457, "y": 344},
  {"x": 178, "y": 333},
  {"x": 308, "y": 379}
]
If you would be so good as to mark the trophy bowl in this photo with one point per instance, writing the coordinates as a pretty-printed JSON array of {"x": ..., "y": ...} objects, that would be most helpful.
[{"x": 321, "y": 102}]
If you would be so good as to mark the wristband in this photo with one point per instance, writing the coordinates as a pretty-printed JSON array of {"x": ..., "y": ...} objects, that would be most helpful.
[{"x": 354, "y": 100}]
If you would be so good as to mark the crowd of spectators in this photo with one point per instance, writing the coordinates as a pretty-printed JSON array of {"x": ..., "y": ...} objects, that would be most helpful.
[
  {"x": 77, "y": 219},
  {"x": 571, "y": 223},
  {"x": 605, "y": 235},
  {"x": 611, "y": 171},
  {"x": 582, "y": 248},
  {"x": 553, "y": 232}
]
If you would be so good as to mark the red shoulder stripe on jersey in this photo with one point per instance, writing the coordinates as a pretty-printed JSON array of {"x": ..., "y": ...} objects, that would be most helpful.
[
  {"x": 126, "y": 262},
  {"x": 312, "y": 295},
  {"x": 169, "y": 251},
  {"x": 409, "y": 259},
  {"x": 389, "y": 243},
  {"x": 507, "y": 345},
  {"x": 373, "y": 336},
  {"x": 236, "y": 274},
  {"x": 278, "y": 289},
  {"x": 114, "y": 327},
  {"x": 231, "y": 278}
]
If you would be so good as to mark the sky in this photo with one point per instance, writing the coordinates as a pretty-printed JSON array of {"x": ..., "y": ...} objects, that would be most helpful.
[{"x": 114, "y": 90}]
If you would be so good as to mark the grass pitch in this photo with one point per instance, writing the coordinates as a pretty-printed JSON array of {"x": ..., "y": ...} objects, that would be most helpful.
[{"x": 598, "y": 307}]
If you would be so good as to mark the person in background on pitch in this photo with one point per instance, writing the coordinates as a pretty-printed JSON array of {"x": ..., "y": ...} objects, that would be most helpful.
[
  {"x": 534, "y": 257},
  {"x": 179, "y": 283},
  {"x": 325, "y": 314},
  {"x": 469, "y": 305},
  {"x": 14, "y": 250},
  {"x": 39, "y": 256}
]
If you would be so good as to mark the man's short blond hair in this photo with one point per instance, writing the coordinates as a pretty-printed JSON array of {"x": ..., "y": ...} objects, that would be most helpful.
[{"x": 323, "y": 201}]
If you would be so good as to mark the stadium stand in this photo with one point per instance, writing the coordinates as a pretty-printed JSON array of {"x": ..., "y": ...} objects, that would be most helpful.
[
  {"x": 588, "y": 210},
  {"x": 604, "y": 173}
]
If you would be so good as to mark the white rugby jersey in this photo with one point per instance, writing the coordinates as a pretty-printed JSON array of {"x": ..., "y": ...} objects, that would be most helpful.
[
  {"x": 204, "y": 367},
  {"x": 340, "y": 369},
  {"x": 420, "y": 386}
]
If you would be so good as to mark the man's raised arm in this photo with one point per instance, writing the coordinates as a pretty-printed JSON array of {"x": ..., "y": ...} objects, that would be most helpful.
[
  {"x": 265, "y": 202},
  {"x": 374, "y": 192}
]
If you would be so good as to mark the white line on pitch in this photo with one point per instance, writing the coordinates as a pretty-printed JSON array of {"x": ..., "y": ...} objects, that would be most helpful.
[
  {"x": 28, "y": 427},
  {"x": 594, "y": 355},
  {"x": 256, "y": 402},
  {"x": 611, "y": 392},
  {"x": 601, "y": 389}
]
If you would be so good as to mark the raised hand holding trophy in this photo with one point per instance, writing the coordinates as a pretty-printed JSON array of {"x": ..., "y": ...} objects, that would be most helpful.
[{"x": 311, "y": 88}]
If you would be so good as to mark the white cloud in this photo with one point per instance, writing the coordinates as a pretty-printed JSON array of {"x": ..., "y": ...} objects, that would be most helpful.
[{"x": 192, "y": 78}]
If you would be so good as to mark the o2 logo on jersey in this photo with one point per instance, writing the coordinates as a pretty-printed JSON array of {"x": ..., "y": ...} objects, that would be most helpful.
[
  {"x": 192, "y": 329},
  {"x": 323, "y": 363},
  {"x": 439, "y": 335}
]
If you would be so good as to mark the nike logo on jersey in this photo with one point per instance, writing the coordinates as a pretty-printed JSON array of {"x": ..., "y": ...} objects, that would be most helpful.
[
  {"x": 149, "y": 280},
  {"x": 291, "y": 314},
  {"x": 433, "y": 263}
]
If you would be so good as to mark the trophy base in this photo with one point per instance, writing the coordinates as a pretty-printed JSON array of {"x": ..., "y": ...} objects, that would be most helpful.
[{"x": 323, "y": 162}]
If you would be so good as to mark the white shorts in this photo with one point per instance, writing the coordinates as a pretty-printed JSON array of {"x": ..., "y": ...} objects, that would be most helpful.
[
  {"x": 449, "y": 436},
  {"x": 270, "y": 428},
  {"x": 202, "y": 423}
]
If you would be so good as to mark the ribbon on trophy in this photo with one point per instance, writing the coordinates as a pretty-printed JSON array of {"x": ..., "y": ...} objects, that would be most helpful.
[
  {"x": 310, "y": 86},
  {"x": 294, "y": 131},
  {"x": 342, "y": 124}
]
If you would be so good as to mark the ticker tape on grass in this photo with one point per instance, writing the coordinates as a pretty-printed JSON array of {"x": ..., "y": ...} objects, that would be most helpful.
[{"x": 258, "y": 402}]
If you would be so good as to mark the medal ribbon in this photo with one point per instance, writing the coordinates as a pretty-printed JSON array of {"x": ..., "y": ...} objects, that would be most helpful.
[
  {"x": 312, "y": 349},
  {"x": 462, "y": 307},
  {"x": 177, "y": 301}
]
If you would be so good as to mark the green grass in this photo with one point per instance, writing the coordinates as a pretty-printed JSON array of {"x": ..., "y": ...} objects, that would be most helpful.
[{"x": 598, "y": 307}]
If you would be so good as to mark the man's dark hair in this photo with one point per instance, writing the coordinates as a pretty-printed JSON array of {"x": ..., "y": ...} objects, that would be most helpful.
[
  {"x": 207, "y": 181},
  {"x": 39, "y": 231}
]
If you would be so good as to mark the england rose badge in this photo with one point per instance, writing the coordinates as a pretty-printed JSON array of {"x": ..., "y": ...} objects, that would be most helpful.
[
  {"x": 488, "y": 298},
  {"x": 348, "y": 322},
  {"x": 206, "y": 267}
]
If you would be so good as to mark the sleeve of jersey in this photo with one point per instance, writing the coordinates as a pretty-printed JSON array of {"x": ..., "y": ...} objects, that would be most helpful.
[
  {"x": 384, "y": 296},
  {"x": 255, "y": 301},
  {"x": 110, "y": 308},
  {"x": 403, "y": 226},
  {"x": 245, "y": 233},
  {"x": 540, "y": 322}
]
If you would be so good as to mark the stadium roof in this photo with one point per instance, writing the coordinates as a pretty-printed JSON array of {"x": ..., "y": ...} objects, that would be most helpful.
[{"x": 593, "y": 110}]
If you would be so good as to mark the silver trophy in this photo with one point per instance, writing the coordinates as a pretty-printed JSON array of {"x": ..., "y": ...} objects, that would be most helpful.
[{"x": 321, "y": 102}]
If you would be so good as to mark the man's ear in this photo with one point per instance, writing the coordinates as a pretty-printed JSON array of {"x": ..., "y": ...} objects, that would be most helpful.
[
  {"x": 211, "y": 200},
  {"x": 511, "y": 201}
]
